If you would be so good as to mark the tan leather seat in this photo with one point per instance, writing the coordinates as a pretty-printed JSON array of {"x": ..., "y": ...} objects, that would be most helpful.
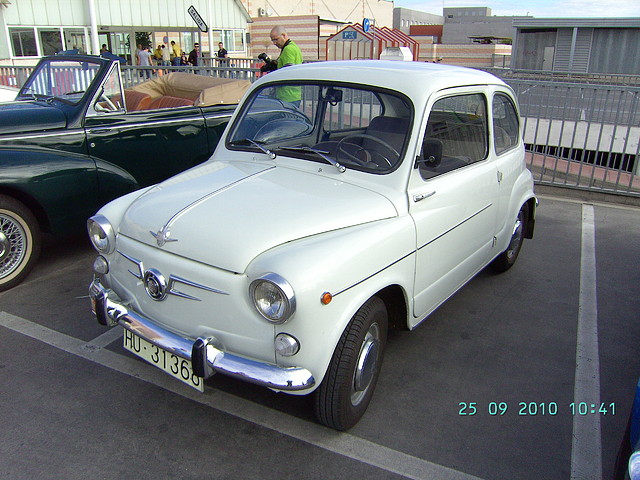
[
  {"x": 167, "y": 101},
  {"x": 135, "y": 100}
]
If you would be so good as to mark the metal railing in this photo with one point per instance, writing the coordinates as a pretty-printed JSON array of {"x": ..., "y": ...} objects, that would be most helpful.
[
  {"x": 571, "y": 77},
  {"x": 584, "y": 136},
  {"x": 579, "y": 134}
]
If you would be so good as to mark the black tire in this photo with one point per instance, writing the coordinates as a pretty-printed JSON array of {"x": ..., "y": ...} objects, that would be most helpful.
[
  {"x": 345, "y": 393},
  {"x": 20, "y": 242},
  {"x": 506, "y": 259}
]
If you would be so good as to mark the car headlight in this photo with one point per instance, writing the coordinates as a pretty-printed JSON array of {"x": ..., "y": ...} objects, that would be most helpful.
[
  {"x": 273, "y": 297},
  {"x": 101, "y": 234}
]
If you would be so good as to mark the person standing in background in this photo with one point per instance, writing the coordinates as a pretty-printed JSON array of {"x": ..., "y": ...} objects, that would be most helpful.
[
  {"x": 290, "y": 54},
  {"x": 222, "y": 52},
  {"x": 157, "y": 55},
  {"x": 195, "y": 57},
  {"x": 175, "y": 53},
  {"x": 145, "y": 61},
  {"x": 138, "y": 50},
  {"x": 166, "y": 56}
]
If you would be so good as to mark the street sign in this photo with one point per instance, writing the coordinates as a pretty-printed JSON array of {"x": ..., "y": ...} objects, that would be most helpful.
[
  {"x": 197, "y": 18},
  {"x": 366, "y": 24},
  {"x": 349, "y": 35}
]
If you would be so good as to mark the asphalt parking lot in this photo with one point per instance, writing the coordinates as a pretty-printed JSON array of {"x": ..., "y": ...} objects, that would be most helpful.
[{"x": 499, "y": 383}]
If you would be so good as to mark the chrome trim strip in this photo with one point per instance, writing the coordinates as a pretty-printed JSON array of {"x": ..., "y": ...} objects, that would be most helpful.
[
  {"x": 80, "y": 131},
  {"x": 166, "y": 227},
  {"x": 172, "y": 280},
  {"x": 190, "y": 119},
  {"x": 176, "y": 279},
  {"x": 55, "y": 133},
  {"x": 138, "y": 263},
  {"x": 410, "y": 253},
  {"x": 208, "y": 358},
  {"x": 455, "y": 226},
  {"x": 374, "y": 274}
]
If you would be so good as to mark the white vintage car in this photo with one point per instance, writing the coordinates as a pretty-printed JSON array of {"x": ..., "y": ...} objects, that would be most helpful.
[
  {"x": 345, "y": 198},
  {"x": 8, "y": 94}
]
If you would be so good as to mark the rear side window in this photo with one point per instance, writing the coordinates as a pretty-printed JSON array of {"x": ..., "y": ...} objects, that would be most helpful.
[{"x": 506, "y": 127}]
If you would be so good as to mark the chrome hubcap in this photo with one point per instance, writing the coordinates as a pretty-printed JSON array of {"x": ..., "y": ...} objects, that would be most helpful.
[
  {"x": 366, "y": 365},
  {"x": 516, "y": 238},
  {"x": 12, "y": 245}
]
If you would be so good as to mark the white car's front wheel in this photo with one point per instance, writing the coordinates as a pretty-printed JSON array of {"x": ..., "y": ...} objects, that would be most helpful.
[
  {"x": 348, "y": 385},
  {"x": 19, "y": 242}
]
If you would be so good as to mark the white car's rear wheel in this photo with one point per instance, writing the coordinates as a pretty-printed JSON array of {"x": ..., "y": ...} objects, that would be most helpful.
[{"x": 506, "y": 259}]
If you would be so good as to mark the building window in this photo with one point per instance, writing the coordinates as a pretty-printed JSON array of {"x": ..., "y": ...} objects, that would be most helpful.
[
  {"x": 233, "y": 40},
  {"x": 23, "y": 41},
  {"x": 50, "y": 41},
  {"x": 37, "y": 42}
]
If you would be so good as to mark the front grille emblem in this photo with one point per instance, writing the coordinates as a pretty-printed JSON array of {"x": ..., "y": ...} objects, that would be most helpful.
[
  {"x": 155, "y": 284},
  {"x": 158, "y": 287}
]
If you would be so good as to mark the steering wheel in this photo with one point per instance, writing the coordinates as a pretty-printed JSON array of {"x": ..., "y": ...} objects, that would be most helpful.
[{"x": 370, "y": 155}]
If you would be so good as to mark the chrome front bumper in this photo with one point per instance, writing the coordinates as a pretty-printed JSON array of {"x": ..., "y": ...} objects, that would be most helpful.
[{"x": 204, "y": 356}]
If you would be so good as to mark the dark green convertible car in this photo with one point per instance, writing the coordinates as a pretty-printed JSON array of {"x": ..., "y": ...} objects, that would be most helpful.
[{"x": 75, "y": 139}]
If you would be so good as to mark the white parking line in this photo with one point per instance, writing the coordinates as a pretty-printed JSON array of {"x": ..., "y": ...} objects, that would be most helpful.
[
  {"x": 105, "y": 339},
  {"x": 344, "y": 444},
  {"x": 586, "y": 448}
]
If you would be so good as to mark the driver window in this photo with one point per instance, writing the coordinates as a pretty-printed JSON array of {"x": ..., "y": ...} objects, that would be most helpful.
[
  {"x": 456, "y": 135},
  {"x": 109, "y": 97}
]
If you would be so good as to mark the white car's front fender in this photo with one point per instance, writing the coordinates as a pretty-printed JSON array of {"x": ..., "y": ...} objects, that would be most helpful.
[{"x": 352, "y": 265}]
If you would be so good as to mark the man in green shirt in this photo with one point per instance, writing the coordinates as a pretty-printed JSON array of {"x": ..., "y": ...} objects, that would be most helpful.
[{"x": 290, "y": 54}]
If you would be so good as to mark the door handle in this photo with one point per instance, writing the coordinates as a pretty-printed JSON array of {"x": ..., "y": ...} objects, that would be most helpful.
[{"x": 421, "y": 196}]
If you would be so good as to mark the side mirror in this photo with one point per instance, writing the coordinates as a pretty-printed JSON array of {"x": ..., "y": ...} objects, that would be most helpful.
[
  {"x": 431, "y": 153},
  {"x": 333, "y": 96}
]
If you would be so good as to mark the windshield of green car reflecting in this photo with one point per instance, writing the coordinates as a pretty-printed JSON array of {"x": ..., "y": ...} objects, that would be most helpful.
[
  {"x": 65, "y": 80},
  {"x": 348, "y": 126}
]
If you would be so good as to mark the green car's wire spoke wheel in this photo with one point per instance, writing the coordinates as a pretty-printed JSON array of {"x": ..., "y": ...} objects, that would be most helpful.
[{"x": 19, "y": 242}]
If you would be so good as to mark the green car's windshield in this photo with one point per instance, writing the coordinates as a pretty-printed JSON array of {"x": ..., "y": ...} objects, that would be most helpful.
[
  {"x": 347, "y": 126},
  {"x": 66, "y": 80}
]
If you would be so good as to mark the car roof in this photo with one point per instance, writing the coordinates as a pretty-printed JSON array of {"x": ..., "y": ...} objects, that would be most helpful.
[{"x": 412, "y": 78}]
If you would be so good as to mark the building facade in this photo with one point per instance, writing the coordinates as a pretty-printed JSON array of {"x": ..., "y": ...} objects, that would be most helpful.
[
  {"x": 405, "y": 18},
  {"x": 578, "y": 45},
  {"x": 35, "y": 28},
  {"x": 350, "y": 11},
  {"x": 477, "y": 25}
]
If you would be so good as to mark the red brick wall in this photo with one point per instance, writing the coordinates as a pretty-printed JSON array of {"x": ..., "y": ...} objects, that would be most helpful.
[{"x": 304, "y": 30}]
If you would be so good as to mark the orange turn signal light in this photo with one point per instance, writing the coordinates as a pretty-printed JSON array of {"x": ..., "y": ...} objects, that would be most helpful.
[{"x": 326, "y": 298}]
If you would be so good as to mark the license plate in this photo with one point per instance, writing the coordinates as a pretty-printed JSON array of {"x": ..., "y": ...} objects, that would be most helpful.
[{"x": 172, "y": 364}]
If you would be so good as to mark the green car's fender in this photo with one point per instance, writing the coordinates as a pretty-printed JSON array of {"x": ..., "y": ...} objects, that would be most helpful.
[{"x": 61, "y": 189}]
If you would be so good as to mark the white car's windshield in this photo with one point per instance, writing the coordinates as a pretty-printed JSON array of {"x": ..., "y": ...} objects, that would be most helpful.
[{"x": 348, "y": 126}]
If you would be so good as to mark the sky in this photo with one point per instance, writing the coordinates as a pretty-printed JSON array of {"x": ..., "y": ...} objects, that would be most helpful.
[{"x": 536, "y": 8}]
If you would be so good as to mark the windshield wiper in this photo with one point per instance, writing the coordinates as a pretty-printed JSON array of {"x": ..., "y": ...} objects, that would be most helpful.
[
  {"x": 263, "y": 148},
  {"x": 341, "y": 168}
]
